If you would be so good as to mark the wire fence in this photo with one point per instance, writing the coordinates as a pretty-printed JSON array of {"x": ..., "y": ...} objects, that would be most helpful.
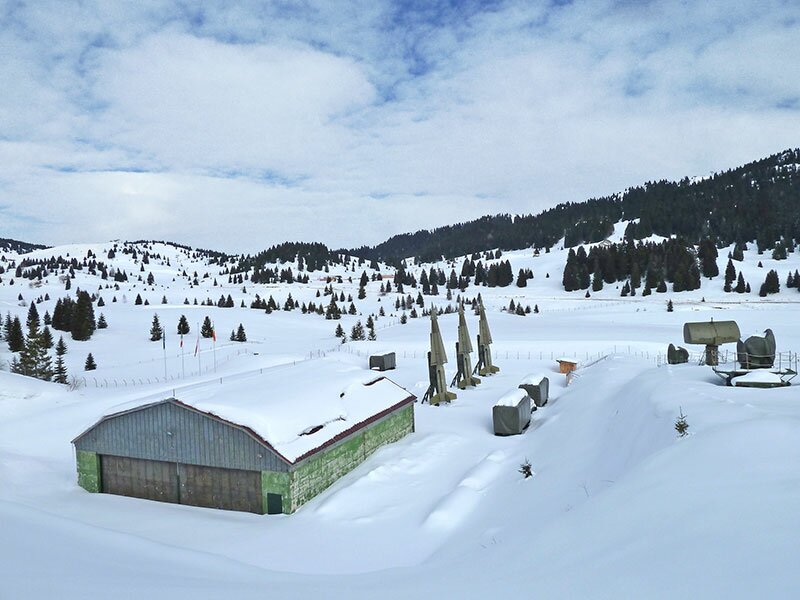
[{"x": 727, "y": 358}]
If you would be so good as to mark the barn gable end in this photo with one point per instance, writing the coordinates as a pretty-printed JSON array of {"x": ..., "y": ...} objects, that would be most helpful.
[{"x": 172, "y": 432}]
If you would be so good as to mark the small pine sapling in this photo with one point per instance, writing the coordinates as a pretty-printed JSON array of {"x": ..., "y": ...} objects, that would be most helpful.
[
  {"x": 681, "y": 426},
  {"x": 526, "y": 469}
]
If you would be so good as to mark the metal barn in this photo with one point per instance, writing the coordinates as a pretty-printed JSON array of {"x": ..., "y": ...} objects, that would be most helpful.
[{"x": 174, "y": 452}]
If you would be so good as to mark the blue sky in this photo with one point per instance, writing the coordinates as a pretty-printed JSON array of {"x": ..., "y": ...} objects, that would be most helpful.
[{"x": 239, "y": 125}]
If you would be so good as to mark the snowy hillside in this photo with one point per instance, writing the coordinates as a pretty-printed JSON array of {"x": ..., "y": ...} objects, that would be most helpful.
[{"x": 619, "y": 505}]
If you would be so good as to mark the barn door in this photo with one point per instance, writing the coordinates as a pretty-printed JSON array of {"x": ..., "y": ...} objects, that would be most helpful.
[
  {"x": 150, "y": 479},
  {"x": 229, "y": 489}
]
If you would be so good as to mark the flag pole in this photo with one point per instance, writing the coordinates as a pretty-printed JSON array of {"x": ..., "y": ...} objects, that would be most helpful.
[
  {"x": 183, "y": 366},
  {"x": 164, "y": 346},
  {"x": 197, "y": 350},
  {"x": 214, "y": 345}
]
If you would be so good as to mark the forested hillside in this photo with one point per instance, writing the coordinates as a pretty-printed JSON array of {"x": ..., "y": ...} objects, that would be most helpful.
[{"x": 757, "y": 201}]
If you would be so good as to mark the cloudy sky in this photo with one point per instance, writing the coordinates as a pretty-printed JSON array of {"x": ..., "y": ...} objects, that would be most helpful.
[{"x": 236, "y": 125}]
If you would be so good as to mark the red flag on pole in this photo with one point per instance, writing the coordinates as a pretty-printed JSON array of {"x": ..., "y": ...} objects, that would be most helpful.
[{"x": 214, "y": 334}]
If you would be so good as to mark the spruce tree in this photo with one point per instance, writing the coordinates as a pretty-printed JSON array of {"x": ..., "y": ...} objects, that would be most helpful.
[
  {"x": 101, "y": 322},
  {"x": 15, "y": 337},
  {"x": 155, "y": 330},
  {"x": 32, "y": 322},
  {"x": 206, "y": 329},
  {"x": 241, "y": 336},
  {"x": 357, "y": 333},
  {"x": 183, "y": 325},
  {"x": 89, "y": 365},
  {"x": 60, "y": 370},
  {"x": 47, "y": 338},
  {"x": 740, "y": 284},
  {"x": 83, "y": 324}
]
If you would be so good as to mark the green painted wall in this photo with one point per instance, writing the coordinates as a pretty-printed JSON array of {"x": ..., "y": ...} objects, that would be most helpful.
[
  {"x": 274, "y": 482},
  {"x": 88, "y": 471},
  {"x": 320, "y": 471}
]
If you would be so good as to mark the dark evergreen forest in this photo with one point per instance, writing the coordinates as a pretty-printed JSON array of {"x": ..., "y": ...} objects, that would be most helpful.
[{"x": 758, "y": 201}]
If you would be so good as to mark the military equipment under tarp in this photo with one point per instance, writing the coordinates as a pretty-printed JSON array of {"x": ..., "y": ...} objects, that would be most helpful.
[
  {"x": 537, "y": 387},
  {"x": 437, "y": 389},
  {"x": 464, "y": 375},
  {"x": 757, "y": 352},
  {"x": 676, "y": 355},
  {"x": 512, "y": 413},
  {"x": 382, "y": 362},
  {"x": 484, "y": 366},
  {"x": 711, "y": 334}
]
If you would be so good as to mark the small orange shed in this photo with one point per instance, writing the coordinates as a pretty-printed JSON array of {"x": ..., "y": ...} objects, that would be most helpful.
[{"x": 567, "y": 365}]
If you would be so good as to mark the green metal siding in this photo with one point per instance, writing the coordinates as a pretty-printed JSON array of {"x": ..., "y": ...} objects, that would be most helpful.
[
  {"x": 88, "y": 470},
  {"x": 273, "y": 482},
  {"x": 321, "y": 470}
]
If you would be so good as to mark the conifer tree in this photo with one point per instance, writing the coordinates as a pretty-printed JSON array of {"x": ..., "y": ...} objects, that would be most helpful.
[
  {"x": 240, "y": 334},
  {"x": 207, "y": 329},
  {"x": 47, "y": 338},
  {"x": 357, "y": 333},
  {"x": 15, "y": 337},
  {"x": 60, "y": 370},
  {"x": 155, "y": 330},
  {"x": 83, "y": 324},
  {"x": 89, "y": 365},
  {"x": 741, "y": 287},
  {"x": 32, "y": 322},
  {"x": 183, "y": 325}
]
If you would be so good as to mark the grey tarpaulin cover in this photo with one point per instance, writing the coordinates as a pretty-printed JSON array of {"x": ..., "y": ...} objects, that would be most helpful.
[
  {"x": 512, "y": 413},
  {"x": 537, "y": 387},
  {"x": 382, "y": 362}
]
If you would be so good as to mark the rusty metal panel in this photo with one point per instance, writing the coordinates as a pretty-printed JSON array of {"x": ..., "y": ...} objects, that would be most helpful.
[
  {"x": 170, "y": 432},
  {"x": 149, "y": 479},
  {"x": 228, "y": 489}
]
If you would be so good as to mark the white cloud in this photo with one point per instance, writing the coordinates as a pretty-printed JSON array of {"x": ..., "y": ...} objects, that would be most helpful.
[{"x": 349, "y": 123}]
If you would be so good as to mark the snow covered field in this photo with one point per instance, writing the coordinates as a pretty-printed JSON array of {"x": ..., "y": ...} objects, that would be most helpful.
[{"x": 619, "y": 506}]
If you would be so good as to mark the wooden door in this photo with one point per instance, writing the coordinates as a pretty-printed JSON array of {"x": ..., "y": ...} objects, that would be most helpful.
[
  {"x": 149, "y": 479},
  {"x": 228, "y": 489}
]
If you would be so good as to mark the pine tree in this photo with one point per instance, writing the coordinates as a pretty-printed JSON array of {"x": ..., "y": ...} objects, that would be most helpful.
[
  {"x": 740, "y": 284},
  {"x": 60, "y": 370},
  {"x": 240, "y": 334},
  {"x": 47, "y": 338},
  {"x": 15, "y": 337},
  {"x": 155, "y": 330},
  {"x": 669, "y": 306},
  {"x": 101, "y": 322},
  {"x": 183, "y": 325},
  {"x": 357, "y": 333},
  {"x": 206, "y": 329},
  {"x": 681, "y": 426},
  {"x": 138, "y": 300},
  {"x": 339, "y": 331},
  {"x": 89, "y": 365},
  {"x": 83, "y": 324},
  {"x": 32, "y": 322}
]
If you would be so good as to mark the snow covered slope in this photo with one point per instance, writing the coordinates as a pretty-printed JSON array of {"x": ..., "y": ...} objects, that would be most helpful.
[{"x": 619, "y": 505}]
